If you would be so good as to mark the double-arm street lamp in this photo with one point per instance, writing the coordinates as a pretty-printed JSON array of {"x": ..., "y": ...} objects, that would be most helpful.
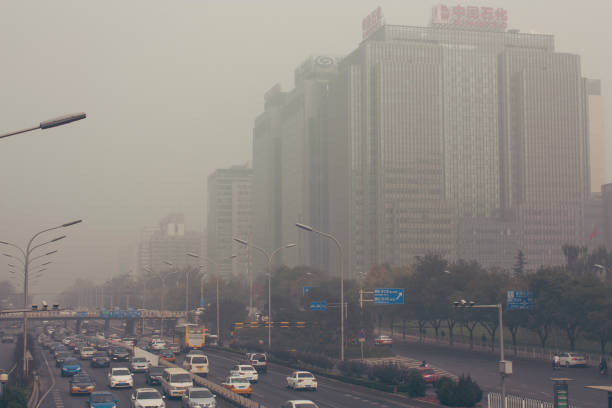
[
  {"x": 216, "y": 264},
  {"x": 59, "y": 121},
  {"x": 505, "y": 367},
  {"x": 341, "y": 256},
  {"x": 26, "y": 261},
  {"x": 162, "y": 278},
  {"x": 269, "y": 269}
]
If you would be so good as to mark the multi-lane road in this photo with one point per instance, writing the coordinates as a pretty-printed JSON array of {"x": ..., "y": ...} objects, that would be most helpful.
[
  {"x": 531, "y": 378},
  {"x": 60, "y": 397}
]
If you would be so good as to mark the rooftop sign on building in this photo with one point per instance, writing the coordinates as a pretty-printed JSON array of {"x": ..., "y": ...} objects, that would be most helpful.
[
  {"x": 372, "y": 22},
  {"x": 472, "y": 17}
]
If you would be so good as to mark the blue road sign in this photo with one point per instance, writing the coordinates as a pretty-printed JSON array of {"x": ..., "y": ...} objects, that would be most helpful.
[
  {"x": 318, "y": 305},
  {"x": 305, "y": 290},
  {"x": 388, "y": 296},
  {"x": 201, "y": 302},
  {"x": 520, "y": 300}
]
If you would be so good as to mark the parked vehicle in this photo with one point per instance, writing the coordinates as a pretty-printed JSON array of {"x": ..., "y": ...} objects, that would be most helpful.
[
  {"x": 383, "y": 340},
  {"x": 572, "y": 360},
  {"x": 196, "y": 363},
  {"x": 199, "y": 397},
  {"x": 428, "y": 375},
  {"x": 302, "y": 380}
]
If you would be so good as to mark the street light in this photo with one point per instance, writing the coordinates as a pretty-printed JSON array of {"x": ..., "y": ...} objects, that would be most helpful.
[
  {"x": 163, "y": 295},
  {"x": 30, "y": 249},
  {"x": 505, "y": 367},
  {"x": 341, "y": 256},
  {"x": 191, "y": 254},
  {"x": 47, "y": 124},
  {"x": 269, "y": 257}
]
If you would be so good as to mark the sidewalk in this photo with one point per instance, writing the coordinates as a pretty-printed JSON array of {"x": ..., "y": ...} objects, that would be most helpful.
[{"x": 525, "y": 352}]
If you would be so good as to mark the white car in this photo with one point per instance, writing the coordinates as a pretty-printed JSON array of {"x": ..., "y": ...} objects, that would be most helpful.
[
  {"x": 198, "y": 397},
  {"x": 139, "y": 364},
  {"x": 87, "y": 353},
  {"x": 157, "y": 344},
  {"x": 572, "y": 360},
  {"x": 147, "y": 398},
  {"x": 302, "y": 380},
  {"x": 299, "y": 404},
  {"x": 120, "y": 377},
  {"x": 245, "y": 370}
]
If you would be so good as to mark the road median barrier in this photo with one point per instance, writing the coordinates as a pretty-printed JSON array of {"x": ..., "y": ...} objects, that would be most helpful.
[{"x": 217, "y": 389}]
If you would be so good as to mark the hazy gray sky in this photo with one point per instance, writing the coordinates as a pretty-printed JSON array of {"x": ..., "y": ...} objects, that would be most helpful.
[{"x": 171, "y": 88}]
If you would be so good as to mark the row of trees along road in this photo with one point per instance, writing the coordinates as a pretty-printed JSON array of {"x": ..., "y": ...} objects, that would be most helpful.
[{"x": 571, "y": 298}]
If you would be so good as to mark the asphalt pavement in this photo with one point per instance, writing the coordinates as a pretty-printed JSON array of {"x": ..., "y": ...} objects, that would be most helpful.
[
  {"x": 530, "y": 378},
  {"x": 272, "y": 392},
  {"x": 7, "y": 351},
  {"x": 60, "y": 397}
]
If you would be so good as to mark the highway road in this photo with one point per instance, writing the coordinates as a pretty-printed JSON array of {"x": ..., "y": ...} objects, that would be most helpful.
[
  {"x": 60, "y": 396},
  {"x": 531, "y": 378},
  {"x": 272, "y": 392}
]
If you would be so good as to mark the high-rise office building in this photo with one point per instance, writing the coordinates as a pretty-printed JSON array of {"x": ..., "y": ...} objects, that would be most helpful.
[
  {"x": 229, "y": 217},
  {"x": 290, "y": 165},
  {"x": 461, "y": 138},
  {"x": 168, "y": 243},
  {"x": 597, "y": 146}
]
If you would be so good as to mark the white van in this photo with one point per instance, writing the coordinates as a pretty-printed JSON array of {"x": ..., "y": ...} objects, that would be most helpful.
[
  {"x": 175, "y": 382},
  {"x": 196, "y": 363}
]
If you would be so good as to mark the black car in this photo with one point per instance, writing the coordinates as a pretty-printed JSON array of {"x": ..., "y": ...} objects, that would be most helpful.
[
  {"x": 59, "y": 359},
  {"x": 103, "y": 345},
  {"x": 154, "y": 374},
  {"x": 100, "y": 359},
  {"x": 120, "y": 354},
  {"x": 81, "y": 384}
]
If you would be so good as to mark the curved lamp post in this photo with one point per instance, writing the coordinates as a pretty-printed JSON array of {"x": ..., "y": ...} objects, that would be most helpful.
[
  {"x": 59, "y": 121},
  {"x": 27, "y": 259},
  {"x": 269, "y": 257},
  {"x": 341, "y": 254},
  {"x": 216, "y": 264}
]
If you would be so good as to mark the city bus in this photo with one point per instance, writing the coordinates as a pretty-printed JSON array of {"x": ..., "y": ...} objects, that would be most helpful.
[{"x": 191, "y": 336}]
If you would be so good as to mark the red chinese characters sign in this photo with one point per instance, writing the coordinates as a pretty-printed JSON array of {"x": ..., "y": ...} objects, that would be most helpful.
[
  {"x": 470, "y": 16},
  {"x": 371, "y": 23}
]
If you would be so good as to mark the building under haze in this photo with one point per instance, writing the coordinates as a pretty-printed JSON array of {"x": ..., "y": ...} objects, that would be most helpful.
[
  {"x": 462, "y": 138},
  {"x": 290, "y": 165},
  {"x": 229, "y": 217},
  {"x": 169, "y": 242}
]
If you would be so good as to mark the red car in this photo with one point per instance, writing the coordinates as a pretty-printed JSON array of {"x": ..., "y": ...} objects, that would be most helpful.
[
  {"x": 428, "y": 374},
  {"x": 383, "y": 340}
]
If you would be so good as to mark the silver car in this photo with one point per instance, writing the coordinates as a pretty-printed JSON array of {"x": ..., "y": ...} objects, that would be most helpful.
[
  {"x": 198, "y": 397},
  {"x": 139, "y": 364}
]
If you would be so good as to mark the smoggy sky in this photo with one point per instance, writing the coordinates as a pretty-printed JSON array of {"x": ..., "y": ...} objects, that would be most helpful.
[{"x": 171, "y": 89}]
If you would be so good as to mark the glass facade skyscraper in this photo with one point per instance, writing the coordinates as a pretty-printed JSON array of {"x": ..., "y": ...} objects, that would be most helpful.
[{"x": 467, "y": 142}]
